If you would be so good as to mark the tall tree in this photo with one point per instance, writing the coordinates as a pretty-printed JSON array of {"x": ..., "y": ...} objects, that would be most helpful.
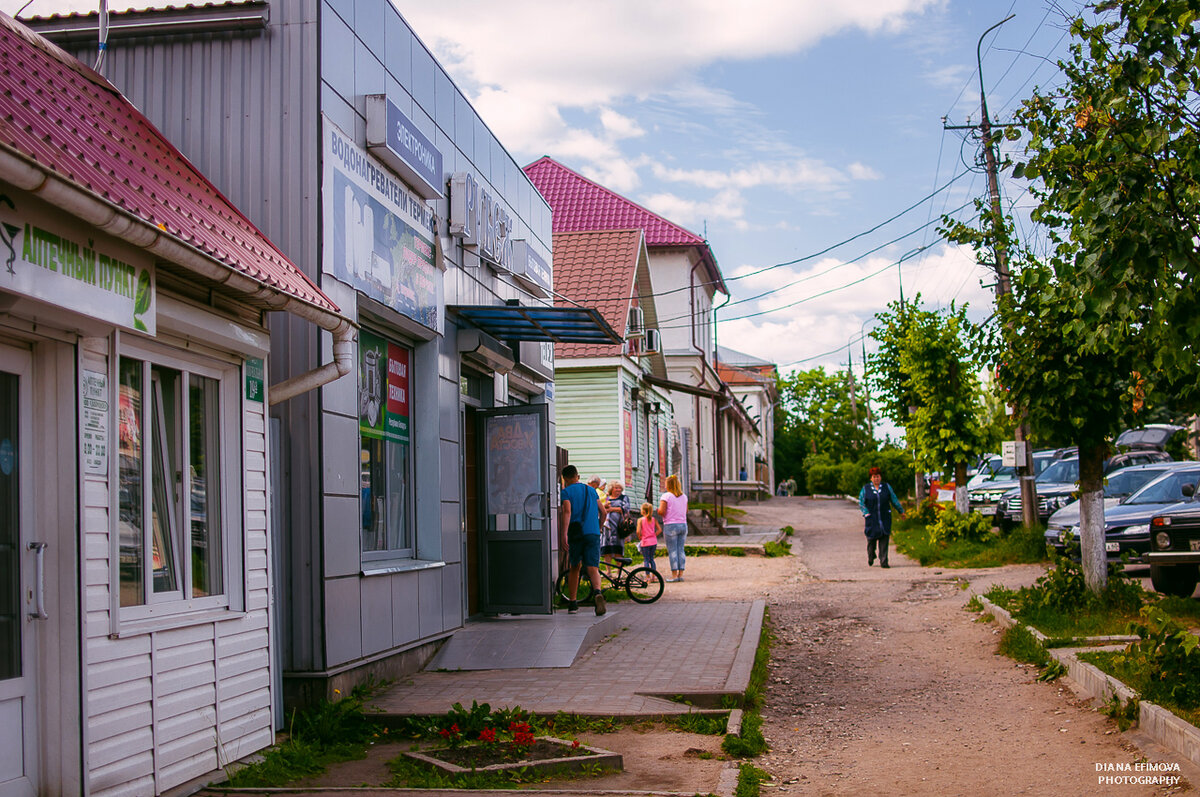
[
  {"x": 925, "y": 359},
  {"x": 817, "y": 409},
  {"x": 1115, "y": 155}
]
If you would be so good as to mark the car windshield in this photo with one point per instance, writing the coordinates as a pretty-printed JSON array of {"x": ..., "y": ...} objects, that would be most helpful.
[
  {"x": 1166, "y": 490},
  {"x": 996, "y": 472},
  {"x": 1065, "y": 471},
  {"x": 1041, "y": 463},
  {"x": 1129, "y": 481}
]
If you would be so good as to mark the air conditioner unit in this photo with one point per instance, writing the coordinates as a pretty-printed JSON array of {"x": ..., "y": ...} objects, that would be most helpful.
[
  {"x": 653, "y": 342},
  {"x": 637, "y": 323}
]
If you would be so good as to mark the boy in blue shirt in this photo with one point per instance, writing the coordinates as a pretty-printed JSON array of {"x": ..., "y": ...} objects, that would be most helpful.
[{"x": 579, "y": 535}]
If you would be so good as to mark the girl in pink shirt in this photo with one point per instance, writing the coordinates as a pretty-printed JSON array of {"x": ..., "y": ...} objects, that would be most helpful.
[{"x": 647, "y": 531}]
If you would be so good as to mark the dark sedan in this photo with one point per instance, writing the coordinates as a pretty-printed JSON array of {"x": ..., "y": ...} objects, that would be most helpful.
[{"x": 1127, "y": 524}]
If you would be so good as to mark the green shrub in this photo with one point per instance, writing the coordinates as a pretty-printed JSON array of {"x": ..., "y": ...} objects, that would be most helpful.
[
  {"x": 851, "y": 478},
  {"x": 951, "y": 526},
  {"x": 1169, "y": 655},
  {"x": 821, "y": 474}
]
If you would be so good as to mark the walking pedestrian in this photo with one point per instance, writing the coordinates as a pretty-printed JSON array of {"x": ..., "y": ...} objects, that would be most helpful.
[
  {"x": 616, "y": 508},
  {"x": 647, "y": 531},
  {"x": 876, "y": 500},
  {"x": 672, "y": 508},
  {"x": 579, "y": 535}
]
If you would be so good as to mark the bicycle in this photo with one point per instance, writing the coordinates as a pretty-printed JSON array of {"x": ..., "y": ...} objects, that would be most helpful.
[{"x": 642, "y": 584}]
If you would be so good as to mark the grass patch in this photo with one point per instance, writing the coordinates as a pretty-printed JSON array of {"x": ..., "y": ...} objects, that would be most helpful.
[
  {"x": 771, "y": 549},
  {"x": 730, "y": 512},
  {"x": 1020, "y": 546},
  {"x": 1020, "y": 645},
  {"x": 633, "y": 552},
  {"x": 324, "y": 734},
  {"x": 750, "y": 742},
  {"x": 1116, "y": 664},
  {"x": 788, "y": 530},
  {"x": 707, "y": 724},
  {"x": 407, "y": 773},
  {"x": 750, "y": 780}
]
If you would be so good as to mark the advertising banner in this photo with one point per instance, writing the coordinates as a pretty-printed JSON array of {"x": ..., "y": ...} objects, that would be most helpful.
[
  {"x": 378, "y": 233},
  {"x": 48, "y": 257},
  {"x": 513, "y": 461},
  {"x": 382, "y": 389},
  {"x": 628, "y": 447}
]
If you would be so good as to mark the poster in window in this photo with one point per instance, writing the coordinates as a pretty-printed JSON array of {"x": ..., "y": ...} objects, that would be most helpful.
[
  {"x": 628, "y": 447},
  {"x": 514, "y": 461},
  {"x": 382, "y": 389}
]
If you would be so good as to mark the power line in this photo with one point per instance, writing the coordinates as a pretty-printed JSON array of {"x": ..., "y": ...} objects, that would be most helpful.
[
  {"x": 829, "y": 270},
  {"x": 824, "y": 251}
]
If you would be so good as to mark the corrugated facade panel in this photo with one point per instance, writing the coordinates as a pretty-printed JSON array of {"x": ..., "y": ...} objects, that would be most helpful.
[{"x": 587, "y": 407}]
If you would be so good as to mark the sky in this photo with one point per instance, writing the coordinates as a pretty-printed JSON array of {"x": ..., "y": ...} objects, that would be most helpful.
[{"x": 783, "y": 131}]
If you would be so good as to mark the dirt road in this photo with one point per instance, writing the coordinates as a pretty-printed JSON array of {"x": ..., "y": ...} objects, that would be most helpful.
[{"x": 882, "y": 684}]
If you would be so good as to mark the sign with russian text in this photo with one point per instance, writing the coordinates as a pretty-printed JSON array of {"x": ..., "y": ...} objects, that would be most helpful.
[
  {"x": 378, "y": 233},
  {"x": 481, "y": 221},
  {"x": 254, "y": 379},
  {"x": 94, "y": 412},
  {"x": 514, "y": 460},
  {"x": 51, "y": 257},
  {"x": 395, "y": 140},
  {"x": 382, "y": 389}
]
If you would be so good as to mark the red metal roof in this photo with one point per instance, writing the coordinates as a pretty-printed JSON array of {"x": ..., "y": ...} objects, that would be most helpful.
[
  {"x": 596, "y": 269},
  {"x": 578, "y": 203},
  {"x": 71, "y": 121}
]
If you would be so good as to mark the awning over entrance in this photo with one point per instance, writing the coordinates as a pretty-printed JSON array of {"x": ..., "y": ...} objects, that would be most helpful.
[{"x": 550, "y": 324}]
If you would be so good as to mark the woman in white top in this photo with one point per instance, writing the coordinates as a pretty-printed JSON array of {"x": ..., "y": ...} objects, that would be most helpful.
[{"x": 672, "y": 508}]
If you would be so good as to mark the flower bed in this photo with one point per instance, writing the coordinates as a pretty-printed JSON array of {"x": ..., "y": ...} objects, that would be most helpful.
[{"x": 544, "y": 754}]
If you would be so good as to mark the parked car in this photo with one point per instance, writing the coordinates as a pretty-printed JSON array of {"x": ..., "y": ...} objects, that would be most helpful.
[
  {"x": 1127, "y": 523},
  {"x": 986, "y": 495},
  {"x": 1174, "y": 555},
  {"x": 1058, "y": 485}
]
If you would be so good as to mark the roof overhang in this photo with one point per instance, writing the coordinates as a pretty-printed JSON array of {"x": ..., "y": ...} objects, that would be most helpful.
[{"x": 509, "y": 322}]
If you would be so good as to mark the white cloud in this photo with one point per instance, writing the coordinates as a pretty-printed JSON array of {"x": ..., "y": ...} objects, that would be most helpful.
[
  {"x": 727, "y": 205},
  {"x": 525, "y": 61},
  {"x": 860, "y": 171},
  {"x": 828, "y": 312}
]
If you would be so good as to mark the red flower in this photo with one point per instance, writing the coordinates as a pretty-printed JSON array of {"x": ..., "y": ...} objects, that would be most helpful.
[
  {"x": 575, "y": 745},
  {"x": 487, "y": 735}
]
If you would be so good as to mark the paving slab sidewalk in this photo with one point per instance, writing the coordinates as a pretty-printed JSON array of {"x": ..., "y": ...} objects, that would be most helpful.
[{"x": 648, "y": 654}]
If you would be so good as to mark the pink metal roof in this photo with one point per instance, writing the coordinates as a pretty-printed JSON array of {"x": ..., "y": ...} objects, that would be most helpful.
[
  {"x": 70, "y": 120},
  {"x": 596, "y": 269},
  {"x": 578, "y": 203}
]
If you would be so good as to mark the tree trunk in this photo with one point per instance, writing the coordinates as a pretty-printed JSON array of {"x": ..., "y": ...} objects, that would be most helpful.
[
  {"x": 919, "y": 486},
  {"x": 1091, "y": 516},
  {"x": 961, "y": 504}
]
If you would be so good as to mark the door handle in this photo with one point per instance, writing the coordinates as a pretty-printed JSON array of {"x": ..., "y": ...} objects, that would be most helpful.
[
  {"x": 525, "y": 506},
  {"x": 39, "y": 589}
]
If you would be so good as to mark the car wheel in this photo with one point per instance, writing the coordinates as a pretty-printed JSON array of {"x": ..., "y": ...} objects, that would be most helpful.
[{"x": 1179, "y": 580}]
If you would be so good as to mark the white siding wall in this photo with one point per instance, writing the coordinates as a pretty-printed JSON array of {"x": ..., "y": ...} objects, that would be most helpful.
[{"x": 170, "y": 705}]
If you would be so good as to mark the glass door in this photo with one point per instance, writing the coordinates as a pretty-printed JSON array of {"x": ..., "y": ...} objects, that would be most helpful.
[
  {"x": 514, "y": 501},
  {"x": 19, "y": 564}
]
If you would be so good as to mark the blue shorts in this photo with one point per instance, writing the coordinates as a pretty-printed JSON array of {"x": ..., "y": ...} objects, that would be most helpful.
[{"x": 584, "y": 548}]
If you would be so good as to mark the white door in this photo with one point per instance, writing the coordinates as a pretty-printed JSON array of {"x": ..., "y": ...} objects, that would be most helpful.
[{"x": 20, "y": 601}]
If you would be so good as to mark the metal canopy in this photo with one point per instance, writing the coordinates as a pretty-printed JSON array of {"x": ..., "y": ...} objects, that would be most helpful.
[{"x": 548, "y": 324}]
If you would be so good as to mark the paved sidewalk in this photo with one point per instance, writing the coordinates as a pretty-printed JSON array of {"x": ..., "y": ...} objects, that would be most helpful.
[{"x": 644, "y": 656}]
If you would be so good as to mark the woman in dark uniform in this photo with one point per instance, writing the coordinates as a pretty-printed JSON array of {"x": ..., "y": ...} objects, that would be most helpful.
[{"x": 876, "y": 500}]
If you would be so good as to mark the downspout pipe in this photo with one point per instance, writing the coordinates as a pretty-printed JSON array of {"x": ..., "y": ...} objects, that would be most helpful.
[{"x": 119, "y": 223}]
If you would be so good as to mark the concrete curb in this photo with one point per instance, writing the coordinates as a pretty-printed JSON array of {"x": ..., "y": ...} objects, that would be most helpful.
[
  {"x": 743, "y": 662},
  {"x": 1158, "y": 723}
]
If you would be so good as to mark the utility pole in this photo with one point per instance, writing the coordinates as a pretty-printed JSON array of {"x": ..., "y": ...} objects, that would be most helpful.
[{"x": 1004, "y": 281}]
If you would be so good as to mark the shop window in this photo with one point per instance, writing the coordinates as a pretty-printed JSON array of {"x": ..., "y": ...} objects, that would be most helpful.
[
  {"x": 386, "y": 477},
  {"x": 173, "y": 524}
]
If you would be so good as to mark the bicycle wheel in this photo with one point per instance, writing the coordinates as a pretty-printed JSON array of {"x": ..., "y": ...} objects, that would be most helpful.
[
  {"x": 644, "y": 585},
  {"x": 583, "y": 594}
]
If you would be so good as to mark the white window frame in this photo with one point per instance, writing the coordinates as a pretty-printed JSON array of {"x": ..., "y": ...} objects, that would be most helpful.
[{"x": 176, "y": 605}]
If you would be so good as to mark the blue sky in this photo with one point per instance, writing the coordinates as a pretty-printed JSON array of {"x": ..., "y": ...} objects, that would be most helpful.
[{"x": 778, "y": 128}]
